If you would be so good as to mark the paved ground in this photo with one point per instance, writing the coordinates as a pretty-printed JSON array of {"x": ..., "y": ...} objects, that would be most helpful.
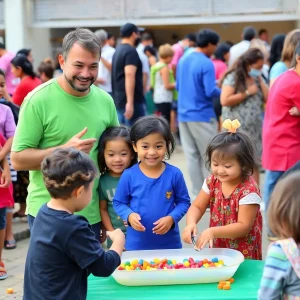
[{"x": 15, "y": 259}]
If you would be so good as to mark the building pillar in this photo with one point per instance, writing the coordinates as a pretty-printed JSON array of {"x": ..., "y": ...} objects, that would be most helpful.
[{"x": 20, "y": 34}]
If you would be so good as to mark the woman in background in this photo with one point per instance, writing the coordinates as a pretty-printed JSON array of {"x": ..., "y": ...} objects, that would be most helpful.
[
  {"x": 290, "y": 43},
  {"x": 22, "y": 68},
  {"x": 276, "y": 49},
  {"x": 244, "y": 92}
]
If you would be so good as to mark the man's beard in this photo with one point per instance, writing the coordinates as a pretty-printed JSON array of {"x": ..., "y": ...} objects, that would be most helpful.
[{"x": 76, "y": 88}]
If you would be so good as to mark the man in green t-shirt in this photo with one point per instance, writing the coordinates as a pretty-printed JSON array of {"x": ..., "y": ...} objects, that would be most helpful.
[{"x": 68, "y": 111}]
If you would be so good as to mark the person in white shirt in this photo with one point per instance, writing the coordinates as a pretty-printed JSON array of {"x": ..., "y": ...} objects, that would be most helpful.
[
  {"x": 144, "y": 41},
  {"x": 249, "y": 33},
  {"x": 263, "y": 35},
  {"x": 104, "y": 74}
]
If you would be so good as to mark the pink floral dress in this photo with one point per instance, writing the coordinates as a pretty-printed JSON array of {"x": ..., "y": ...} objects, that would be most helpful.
[{"x": 224, "y": 211}]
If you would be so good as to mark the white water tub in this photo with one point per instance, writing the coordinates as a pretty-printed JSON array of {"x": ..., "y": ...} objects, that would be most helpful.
[{"x": 232, "y": 259}]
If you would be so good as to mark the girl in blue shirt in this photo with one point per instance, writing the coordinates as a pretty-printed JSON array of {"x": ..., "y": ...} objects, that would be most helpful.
[{"x": 152, "y": 195}]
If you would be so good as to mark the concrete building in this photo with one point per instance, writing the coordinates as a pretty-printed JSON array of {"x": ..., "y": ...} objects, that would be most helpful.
[{"x": 41, "y": 24}]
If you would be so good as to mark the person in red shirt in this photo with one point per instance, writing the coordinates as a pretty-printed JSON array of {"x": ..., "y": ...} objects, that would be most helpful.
[
  {"x": 281, "y": 128},
  {"x": 22, "y": 68}
]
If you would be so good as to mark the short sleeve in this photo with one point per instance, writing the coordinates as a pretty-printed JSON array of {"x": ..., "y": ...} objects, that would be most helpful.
[
  {"x": 145, "y": 63},
  {"x": 178, "y": 53},
  {"x": 29, "y": 118},
  {"x": 210, "y": 182},
  {"x": 4, "y": 64},
  {"x": 277, "y": 69},
  {"x": 110, "y": 55},
  {"x": 252, "y": 198},
  {"x": 10, "y": 125},
  {"x": 82, "y": 246},
  {"x": 229, "y": 80},
  {"x": 132, "y": 58},
  {"x": 114, "y": 116},
  {"x": 100, "y": 191},
  {"x": 205, "y": 187}
]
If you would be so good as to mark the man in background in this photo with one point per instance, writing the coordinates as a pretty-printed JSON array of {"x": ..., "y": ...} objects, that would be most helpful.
[
  {"x": 104, "y": 74},
  {"x": 249, "y": 33},
  {"x": 127, "y": 77}
]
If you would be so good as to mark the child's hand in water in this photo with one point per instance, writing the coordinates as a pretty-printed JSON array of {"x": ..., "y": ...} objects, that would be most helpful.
[
  {"x": 205, "y": 237},
  {"x": 163, "y": 225},
  {"x": 134, "y": 220},
  {"x": 189, "y": 230}
]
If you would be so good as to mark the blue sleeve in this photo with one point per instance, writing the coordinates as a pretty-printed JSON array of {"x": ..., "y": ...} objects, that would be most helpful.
[
  {"x": 209, "y": 81},
  {"x": 122, "y": 197},
  {"x": 275, "y": 271},
  {"x": 182, "y": 198},
  {"x": 277, "y": 69}
]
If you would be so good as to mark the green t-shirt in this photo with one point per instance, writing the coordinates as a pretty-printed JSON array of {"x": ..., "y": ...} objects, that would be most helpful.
[
  {"x": 50, "y": 117},
  {"x": 107, "y": 189}
]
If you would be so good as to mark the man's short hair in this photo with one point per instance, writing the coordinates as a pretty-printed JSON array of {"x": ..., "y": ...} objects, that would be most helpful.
[
  {"x": 101, "y": 34},
  {"x": 262, "y": 31},
  {"x": 84, "y": 37},
  {"x": 206, "y": 37},
  {"x": 249, "y": 33},
  {"x": 146, "y": 37},
  {"x": 191, "y": 37}
]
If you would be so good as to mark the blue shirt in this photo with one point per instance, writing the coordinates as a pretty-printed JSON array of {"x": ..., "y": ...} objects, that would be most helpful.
[
  {"x": 196, "y": 85},
  {"x": 277, "y": 69},
  {"x": 152, "y": 199},
  {"x": 62, "y": 252}
]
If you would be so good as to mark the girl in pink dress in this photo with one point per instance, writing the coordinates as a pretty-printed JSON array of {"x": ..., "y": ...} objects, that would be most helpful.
[
  {"x": 232, "y": 195},
  {"x": 6, "y": 200}
]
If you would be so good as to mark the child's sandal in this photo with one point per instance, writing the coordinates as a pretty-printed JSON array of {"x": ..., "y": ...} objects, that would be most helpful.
[{"x": 3, "y": 273}]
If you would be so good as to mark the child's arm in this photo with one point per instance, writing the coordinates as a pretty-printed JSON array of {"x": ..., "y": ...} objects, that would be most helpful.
[
  {"x": 84, "y": 249},
  {"x": 165, "y": 75},
  {"x": 275, "y": 271},
  {"x": 104, "y": 266},
  {"x": 194, "y": 214},
  {"x": 6, "y": 148},
  {"x": 246, "y": 217},
  {"x": 121, "y": 204},
  {"x": 264, "y": 88},
  {"x": 118, "y": 238},
  {"x": 105, "y": 216},
  {"x": 5, "y": 178},
  {"x": 182, "y": 203}
]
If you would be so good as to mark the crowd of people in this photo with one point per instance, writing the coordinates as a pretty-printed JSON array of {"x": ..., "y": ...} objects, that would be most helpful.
[{"x": 117, "y": 111}]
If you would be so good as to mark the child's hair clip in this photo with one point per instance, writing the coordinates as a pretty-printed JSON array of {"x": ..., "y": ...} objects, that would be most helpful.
[{"x": 231, "y": 126}]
